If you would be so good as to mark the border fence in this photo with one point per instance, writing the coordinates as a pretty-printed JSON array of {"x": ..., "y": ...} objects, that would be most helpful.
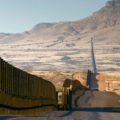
[{"x": 20, "y": 90}]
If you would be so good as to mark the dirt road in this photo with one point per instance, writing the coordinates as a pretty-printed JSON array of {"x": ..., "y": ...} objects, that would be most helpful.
[
  {"x": 66, "y": 115},
  {"x": 87, "y": 105}
]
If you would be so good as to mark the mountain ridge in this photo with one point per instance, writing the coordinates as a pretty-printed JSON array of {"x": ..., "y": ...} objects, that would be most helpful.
[
  {"x": 66, "y": 45},
  {"x": 110, "y": 15}
]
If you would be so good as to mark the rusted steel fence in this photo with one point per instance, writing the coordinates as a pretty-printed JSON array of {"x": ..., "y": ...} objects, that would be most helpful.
[{"x": 18, "y": 83}]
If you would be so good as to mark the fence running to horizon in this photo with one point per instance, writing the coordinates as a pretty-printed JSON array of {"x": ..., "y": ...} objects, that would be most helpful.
[{"x": 20, "y": 84}]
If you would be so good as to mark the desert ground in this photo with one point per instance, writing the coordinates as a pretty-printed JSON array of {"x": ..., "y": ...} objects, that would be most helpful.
[{"x": 66, "y": 115}]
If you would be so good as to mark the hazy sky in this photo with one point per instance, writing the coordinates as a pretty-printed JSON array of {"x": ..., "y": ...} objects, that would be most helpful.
[{"x": 20, "y": 15}]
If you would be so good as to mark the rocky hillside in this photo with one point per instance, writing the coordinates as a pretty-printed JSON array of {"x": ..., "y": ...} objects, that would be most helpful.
[
  {"x": 105, "y": 81},
  {"x": 66, "y": 45}
]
